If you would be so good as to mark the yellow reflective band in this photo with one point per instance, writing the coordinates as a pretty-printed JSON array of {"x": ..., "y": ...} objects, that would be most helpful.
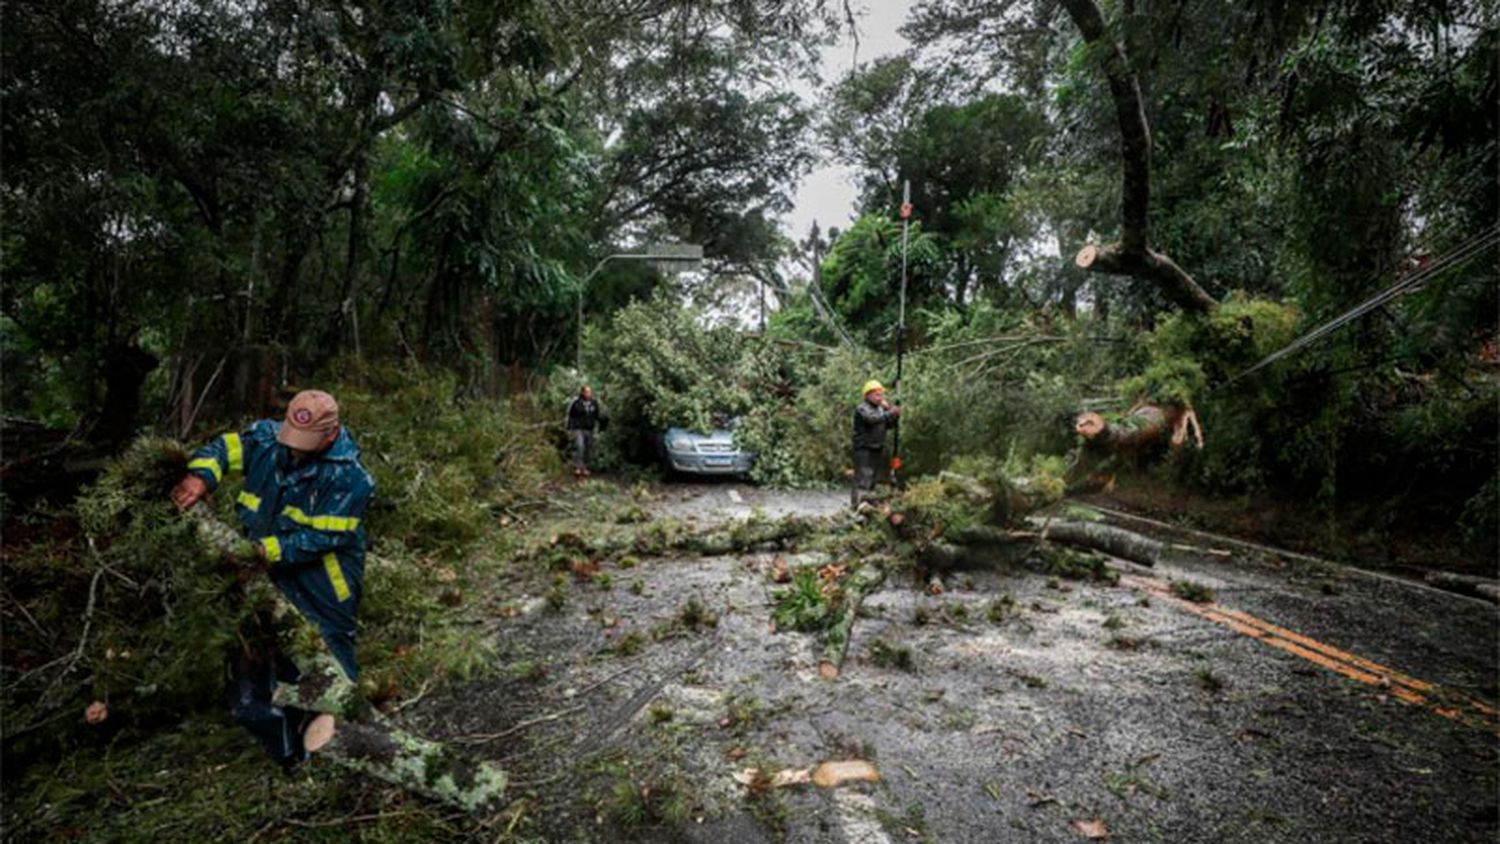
[
  {"x": 251, "y": 502},
  {"x": 210, "y": 464},
  {"x": 236, "y": 452},
  {"x": 336, "y": 577},
  {"x": 328, "y": 523},
  {"x": 273, "y": 549}
]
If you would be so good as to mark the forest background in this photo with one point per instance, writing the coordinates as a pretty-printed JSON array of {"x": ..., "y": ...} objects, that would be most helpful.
[{"x": 209, "y": 202}]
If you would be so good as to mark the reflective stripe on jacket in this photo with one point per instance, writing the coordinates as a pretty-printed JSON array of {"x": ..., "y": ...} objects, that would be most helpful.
[{"x": 309, "y": 519}]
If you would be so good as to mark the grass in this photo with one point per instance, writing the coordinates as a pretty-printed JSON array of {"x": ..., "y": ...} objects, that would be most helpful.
[
  {"x": 1113, "y": 622},
  {"x": 803, "y": 606},
  {"x": 898, "y": 657},
  {"x": 1208, "y": 681},
  {"x": 1000, "y": 609},
  {"x": 1190, "y": 590},
  {"x": 694, "y": 615},
  {"x": 630, "y": 644}
]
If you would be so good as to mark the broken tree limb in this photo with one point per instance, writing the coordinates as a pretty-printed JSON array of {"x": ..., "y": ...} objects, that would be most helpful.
[
  {"x": 1117, "y": 542},
  {"x": 1465, "y": 584},
  {"x": 1132, "y": 255},
  {"x": 861, "y": 583},
  {"x": 417, "y": 765}
]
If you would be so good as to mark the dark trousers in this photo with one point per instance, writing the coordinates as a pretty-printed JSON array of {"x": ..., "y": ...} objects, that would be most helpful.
[
  {"x": 870, "y": 467},
  {"x": 583, "y": 447},
  {"x": 254, "y": 670}
]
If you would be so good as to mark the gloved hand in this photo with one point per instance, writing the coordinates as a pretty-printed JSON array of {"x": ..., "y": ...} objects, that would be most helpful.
[{"x": 189, "y": 491}]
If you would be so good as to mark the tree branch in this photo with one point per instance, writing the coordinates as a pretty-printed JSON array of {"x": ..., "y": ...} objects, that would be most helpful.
[{"x": 1132, "y": 255}]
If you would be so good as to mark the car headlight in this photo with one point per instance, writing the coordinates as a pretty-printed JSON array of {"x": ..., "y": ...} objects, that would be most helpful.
[{"x": 680, "y": 444}]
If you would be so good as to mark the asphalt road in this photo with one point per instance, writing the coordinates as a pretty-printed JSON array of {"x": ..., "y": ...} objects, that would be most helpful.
[{"x": 1306, "y": 702}]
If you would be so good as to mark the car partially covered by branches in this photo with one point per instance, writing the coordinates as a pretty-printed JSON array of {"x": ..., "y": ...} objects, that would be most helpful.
[{"x": 716, "y": 452}]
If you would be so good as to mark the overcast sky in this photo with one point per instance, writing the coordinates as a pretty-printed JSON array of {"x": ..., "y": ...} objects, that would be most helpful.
[{"x": 828, "y": 193}]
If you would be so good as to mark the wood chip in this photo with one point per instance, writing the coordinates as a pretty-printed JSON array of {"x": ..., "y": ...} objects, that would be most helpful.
[
  {"x": 1094, "y": 830},
  {"x": 831, "y": 774}
]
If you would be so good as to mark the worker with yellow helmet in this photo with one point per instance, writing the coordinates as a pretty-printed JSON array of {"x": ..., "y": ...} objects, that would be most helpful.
[{"x": 872, "y": 417}]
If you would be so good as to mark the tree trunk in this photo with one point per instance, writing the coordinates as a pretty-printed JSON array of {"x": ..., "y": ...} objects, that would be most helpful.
[
  {"x": 1117, "y": 542},
  {"x": 417, "y": 765},
  {"x": 1132, "y": 255},
  {"x": 1479, "y": 587},
  {"x": 861, "y": 583}
]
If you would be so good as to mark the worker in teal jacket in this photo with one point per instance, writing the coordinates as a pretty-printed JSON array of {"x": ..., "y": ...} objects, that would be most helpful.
[{"x": 303, "y": 505}]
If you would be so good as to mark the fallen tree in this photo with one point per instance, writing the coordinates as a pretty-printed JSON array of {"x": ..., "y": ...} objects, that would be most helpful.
[
  {"x": 864, "y": 580},
  {"x": 1108, "y": 444}
]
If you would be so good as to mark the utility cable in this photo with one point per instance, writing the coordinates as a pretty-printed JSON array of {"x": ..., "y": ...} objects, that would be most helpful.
[{"x": 1459, "y": 255}]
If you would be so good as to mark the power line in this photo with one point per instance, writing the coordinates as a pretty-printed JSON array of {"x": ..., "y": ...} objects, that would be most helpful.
[{"x": 1461, "y": 254}]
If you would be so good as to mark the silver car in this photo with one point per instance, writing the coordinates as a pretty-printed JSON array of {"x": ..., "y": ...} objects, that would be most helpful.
[{"x": 714, "y": 453}]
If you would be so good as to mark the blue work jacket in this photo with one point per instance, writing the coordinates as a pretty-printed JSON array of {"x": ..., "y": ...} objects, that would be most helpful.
[{"x": 308, "y": 519}]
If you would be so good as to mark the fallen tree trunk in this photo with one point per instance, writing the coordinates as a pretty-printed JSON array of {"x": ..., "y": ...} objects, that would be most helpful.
[
  {"x": 1117, "y": 542},
  {"x": 414, "y": 764},
  {"x": 664, "y": 538},
  {"x": 1465, "y": 584},
  {"x": 861, "y": 583}
]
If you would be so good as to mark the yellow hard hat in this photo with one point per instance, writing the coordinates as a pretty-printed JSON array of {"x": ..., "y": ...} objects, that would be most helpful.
[{"x": 871, "y": 386}]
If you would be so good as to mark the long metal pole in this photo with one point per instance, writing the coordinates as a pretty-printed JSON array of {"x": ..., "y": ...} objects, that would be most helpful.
[{"x": 901, "y": 318}]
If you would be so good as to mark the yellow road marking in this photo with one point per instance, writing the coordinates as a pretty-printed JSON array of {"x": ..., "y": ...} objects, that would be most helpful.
[{"x": 1444, "y": 702}]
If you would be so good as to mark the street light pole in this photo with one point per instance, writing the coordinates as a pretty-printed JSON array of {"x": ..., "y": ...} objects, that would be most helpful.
[{"x": 688, "y": 255}]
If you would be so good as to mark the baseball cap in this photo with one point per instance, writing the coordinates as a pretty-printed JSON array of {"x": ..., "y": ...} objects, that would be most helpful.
[{"x": 309, "y": 418}]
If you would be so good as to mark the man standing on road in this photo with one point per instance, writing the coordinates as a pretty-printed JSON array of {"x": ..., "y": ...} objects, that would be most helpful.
[
  {"x": 871, "y": 418},
  {"x": 583, "y": 421},
  {"x": 302, "y": 507}
]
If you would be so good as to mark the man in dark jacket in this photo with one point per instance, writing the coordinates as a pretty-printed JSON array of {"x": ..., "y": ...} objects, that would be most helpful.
[
  {"x": 871, "y": 419},
  {"x": 302, "y": 505},
  {"x": 583, "y": 421}
]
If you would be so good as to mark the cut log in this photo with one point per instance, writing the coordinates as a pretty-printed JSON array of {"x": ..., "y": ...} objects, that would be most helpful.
[
  {"x": 417, "y": 765},
  {"x": 861, "y": 583},
  {"x": 1117, "y": 542},
  {"x": 1466, "y": 584}
]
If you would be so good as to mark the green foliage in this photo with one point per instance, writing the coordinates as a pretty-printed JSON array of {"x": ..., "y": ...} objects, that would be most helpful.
[
  {"x": 1187, "y": 352},
  {"x": 131, "y": 601},
  {"x": 635, "y": 805},
  {"x": 1190, "y": 590},
  {"x": 804, "y": 606},
  {"x": 443, "y": 464},
  {"x": 897, "y": 657},
  {"x": 1075, "y": 564}
]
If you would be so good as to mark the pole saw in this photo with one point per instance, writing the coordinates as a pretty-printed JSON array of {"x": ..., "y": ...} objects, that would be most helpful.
[{"x": 901, "y": 328}]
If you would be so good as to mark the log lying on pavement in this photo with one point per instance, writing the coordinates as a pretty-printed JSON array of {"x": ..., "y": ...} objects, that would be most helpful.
[
  {"x": 1117, "y": 542},
  {"x": 664, "y": 538},
  {"x": 862, "y": 581},
  {"x": 1466, "y": 584},
  {"x": 417, "y": 765}
]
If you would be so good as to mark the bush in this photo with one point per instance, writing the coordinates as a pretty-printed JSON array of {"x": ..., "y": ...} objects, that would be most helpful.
[{"x": 443, "y": 463}]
